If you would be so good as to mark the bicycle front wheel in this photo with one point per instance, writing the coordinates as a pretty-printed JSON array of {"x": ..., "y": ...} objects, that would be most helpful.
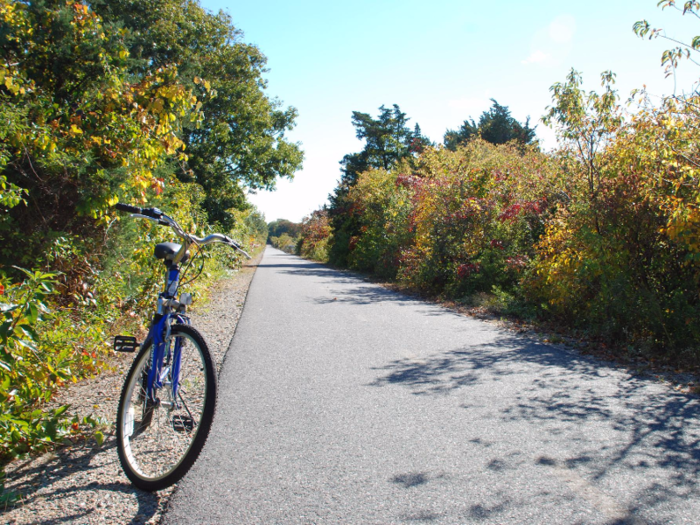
[{"x": 159, "y": 441}]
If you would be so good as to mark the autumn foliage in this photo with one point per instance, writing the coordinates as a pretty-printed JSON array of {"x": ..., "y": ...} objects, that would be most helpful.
[
  {"x": 601, "y": 236},
  {"x": 128, "y": 100}
]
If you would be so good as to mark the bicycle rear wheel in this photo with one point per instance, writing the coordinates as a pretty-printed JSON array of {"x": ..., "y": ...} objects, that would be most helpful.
[{"x": 159, "y": 442}]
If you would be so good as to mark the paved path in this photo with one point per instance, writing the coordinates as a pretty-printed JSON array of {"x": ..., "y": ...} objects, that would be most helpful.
[{"x": 342, "y": 402}]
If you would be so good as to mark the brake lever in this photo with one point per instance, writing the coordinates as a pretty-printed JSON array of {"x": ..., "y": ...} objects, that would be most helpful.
[
  {"x": 159, "y": 221},
  {"x": 237, "y": 247}
]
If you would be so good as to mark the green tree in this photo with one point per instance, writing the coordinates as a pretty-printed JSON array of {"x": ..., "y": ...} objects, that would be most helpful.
[
  {"x": 255, "y": 223},
  {"x": 280, "y": 226},
  {"x": 388, "y": 139},
  {"x": 76, "y": 128},
  {"x": 496, "y": 126},
  {"x": 239, "y": 142},
  {"x": 585, "y": 121}
]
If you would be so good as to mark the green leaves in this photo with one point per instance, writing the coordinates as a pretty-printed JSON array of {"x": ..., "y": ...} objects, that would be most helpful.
[
  {"x": 670, "y": 58},
  {"x": 234, "y": 136},
  {"x": 496, "y": 126}
]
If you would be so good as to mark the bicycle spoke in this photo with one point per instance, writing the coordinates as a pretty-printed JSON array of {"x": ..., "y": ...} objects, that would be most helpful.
[{"x": 158, "y": 441}]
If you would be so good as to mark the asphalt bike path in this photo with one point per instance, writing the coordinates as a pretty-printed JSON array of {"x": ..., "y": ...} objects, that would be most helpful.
[{"x": 343, "y": 402}]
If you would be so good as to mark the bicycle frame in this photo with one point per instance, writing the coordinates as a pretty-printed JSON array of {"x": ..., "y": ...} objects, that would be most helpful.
[{"x": 159, "y": 334}]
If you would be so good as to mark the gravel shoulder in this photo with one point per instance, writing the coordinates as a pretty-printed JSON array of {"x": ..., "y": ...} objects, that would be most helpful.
[{"x": 84, "y": 483}]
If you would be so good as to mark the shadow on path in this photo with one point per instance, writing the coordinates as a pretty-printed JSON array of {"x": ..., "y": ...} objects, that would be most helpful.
[
  {"x": 43, "y": 480},
  {"x": 617, "y": 425}
]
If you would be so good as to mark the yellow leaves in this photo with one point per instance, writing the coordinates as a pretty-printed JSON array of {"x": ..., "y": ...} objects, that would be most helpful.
[
  {"x": 43, "y": 141},
  {"x": 11, "y": 82},
  {"x": 75, "y": 130},
  {"x": 170, "y": 92},
  {"x": 80, "y": 8},
  {"x": 684, "y": 227},
  {"x": 157, "y": 106},
  {"x": 205, "y": 83}
]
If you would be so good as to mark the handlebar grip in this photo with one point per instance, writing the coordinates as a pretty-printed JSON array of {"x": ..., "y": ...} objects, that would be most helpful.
[{"x": 127, "y": 208}]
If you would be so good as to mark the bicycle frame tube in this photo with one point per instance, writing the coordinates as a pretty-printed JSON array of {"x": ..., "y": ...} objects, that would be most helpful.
[{"x": 172, "y": 283}]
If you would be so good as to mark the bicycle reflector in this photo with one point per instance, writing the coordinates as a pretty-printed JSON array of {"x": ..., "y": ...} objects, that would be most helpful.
[{"x": 125, "y": 343}]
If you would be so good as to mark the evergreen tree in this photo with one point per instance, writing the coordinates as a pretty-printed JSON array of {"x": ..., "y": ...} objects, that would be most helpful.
[
  {"x": 387, "y": 140},
  {"x": 495, "y": 125}
]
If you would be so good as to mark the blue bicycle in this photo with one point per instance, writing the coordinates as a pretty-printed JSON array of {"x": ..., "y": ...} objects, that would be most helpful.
[{"x": 168, "y": 399}]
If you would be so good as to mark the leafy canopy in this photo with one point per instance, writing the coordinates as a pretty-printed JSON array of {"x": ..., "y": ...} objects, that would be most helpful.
[
  {"x": 239, "y": 142},
  {"x": 388, "y": 139},
  {"x": 670, "y": 58},
  {"x": 496, "y": 126}
]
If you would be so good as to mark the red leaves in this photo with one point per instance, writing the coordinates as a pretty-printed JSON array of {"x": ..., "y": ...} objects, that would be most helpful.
[
  {"x": 529, "y": 207},
  {"x": 408, "y": 181},
  {"x": 465, "y": 270}
]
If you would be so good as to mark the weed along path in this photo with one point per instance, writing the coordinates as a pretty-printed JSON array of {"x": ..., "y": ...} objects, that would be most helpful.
[{"x": 343, "y": 402}]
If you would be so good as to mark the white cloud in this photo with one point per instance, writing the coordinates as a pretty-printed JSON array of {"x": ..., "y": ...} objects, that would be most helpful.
[
  {"x": 551, "y": 44},
  {"x": 562, "y": 29},
  {"x": 537, "y": 57}
]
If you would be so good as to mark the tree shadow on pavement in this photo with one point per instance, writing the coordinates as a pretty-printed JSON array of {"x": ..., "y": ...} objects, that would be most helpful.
[
  {"x": 619, "y": 425},
  {"x": 311, "y": 269}
]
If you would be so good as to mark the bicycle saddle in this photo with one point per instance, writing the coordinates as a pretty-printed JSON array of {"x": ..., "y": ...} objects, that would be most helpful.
[{"x": 167, "y": 250}]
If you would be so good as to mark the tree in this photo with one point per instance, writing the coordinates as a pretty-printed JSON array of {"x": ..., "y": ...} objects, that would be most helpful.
[
  {"x": 388, "y": 139},
  {"x": 496, "y": 126},
  {"x": 255, "y": 222},
  {"x": 585, "y": 121},
  {"x": 280, "y": 226},
  {"x": 419, "y": 141},
  {"x": 76, "y": 128},
  {"x": 239, "y": 142},
  {"x": 671, "y": 57}
]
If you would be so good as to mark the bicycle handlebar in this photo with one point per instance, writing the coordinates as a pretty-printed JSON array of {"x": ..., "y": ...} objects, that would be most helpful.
[
  {"x": 127, "y": 207},
  {"x": 161, "y": 218}
]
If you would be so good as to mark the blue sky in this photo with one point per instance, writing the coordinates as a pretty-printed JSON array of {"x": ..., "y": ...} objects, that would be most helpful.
[{"x": 440, "y": 62}]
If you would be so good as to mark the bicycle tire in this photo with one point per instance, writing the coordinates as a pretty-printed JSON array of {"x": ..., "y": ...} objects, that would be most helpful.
[{"x": 157, "y": 454}]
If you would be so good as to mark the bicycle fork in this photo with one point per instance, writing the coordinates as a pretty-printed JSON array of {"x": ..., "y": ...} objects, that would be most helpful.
[{"x": 165, "y": 361}]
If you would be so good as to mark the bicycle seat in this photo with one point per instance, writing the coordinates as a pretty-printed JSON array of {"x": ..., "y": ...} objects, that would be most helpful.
[{"x": 167, "y": 250}]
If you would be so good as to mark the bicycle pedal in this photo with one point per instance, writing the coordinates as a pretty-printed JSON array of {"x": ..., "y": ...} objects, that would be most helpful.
[
  {"x": 125, "y": 343},
  {"x": 183, "y": 423}
]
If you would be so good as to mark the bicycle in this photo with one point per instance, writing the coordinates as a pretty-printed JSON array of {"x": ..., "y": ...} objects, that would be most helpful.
[{"x": 168, "y": 400}]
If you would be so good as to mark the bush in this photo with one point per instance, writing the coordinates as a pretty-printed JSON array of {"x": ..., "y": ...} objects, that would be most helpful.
[
  {"x": 601, "y": 236},
  {"x": 315, "y": 236}
]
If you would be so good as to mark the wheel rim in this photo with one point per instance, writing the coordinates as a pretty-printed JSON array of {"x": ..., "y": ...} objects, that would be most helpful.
[{"x": 153, "y": 451}]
